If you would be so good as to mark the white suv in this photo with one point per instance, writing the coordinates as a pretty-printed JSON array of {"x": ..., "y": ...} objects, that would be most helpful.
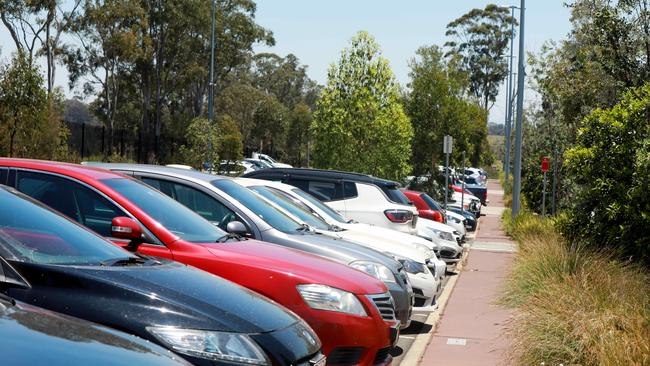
[{"x": 357, "y": 196}]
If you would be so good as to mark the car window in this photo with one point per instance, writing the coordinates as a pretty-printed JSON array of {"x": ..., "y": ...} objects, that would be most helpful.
[
  {"x": 3, "y": 175},
  {"x": 323, "y": 207},
  {"x": 323, "y": 190},
  {"x": 395, "y": 195},
  {"x": 175, "y": 217},
  {"x": 350, "y": 190},
  {"x": 197, "y": 201},
  {"x": 290, "y": 206},
  {"x": 433, "y": 205},
  {"x": 30, "y": 232},
  {"x": 260, "y": 207},
  {"x": 72, "y": 199}
]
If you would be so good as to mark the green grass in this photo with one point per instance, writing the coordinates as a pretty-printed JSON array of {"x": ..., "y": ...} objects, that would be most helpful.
[{"x": 574, "y": 306}]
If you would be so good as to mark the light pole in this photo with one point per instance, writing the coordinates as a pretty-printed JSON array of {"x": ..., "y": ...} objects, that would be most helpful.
[
  {"x": 516, "y": 189},
  {"x": 506, "y": 159},
  {"x": 211, "y": 91}
]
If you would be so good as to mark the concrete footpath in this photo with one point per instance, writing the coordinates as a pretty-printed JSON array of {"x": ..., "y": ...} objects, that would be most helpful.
[{"x": 471, "y": 327}]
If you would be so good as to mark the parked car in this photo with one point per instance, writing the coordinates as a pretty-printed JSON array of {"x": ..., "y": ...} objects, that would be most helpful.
[
  {"x": 427, "y": 207},
  {"x": 259, "y": 164},
  {"x": 234, "y": 168},
  {"x": 445, "y": 240},
  {"x": 471, "y": 221},
  {"x": 221, "y": 200},
  {"x": 425, "y": 285},
  {"x": 335, "y": 219},
  {"x": 270, "y": 160},
  {"x": 63, "y": 267},
  {"x": 457, "y": 222},
  {"x": 357, "y": 196},
  {"x": 350, "y": 299}
]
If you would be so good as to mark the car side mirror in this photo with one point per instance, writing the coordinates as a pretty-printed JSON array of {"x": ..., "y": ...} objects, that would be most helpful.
[
  {"x": 123, "y": 227},
  {"x": 236, "y": 227},
  {"x": 9, "y": 277}
]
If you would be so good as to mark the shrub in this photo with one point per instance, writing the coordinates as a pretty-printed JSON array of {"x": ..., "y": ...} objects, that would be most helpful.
[{"x": 575, "y": 305}]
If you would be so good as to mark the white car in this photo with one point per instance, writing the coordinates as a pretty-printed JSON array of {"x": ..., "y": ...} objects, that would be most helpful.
[
  {"x": 445, "y": 240},
  {"x": 457, "y": 222},
  {"x": 415, "y": 257},
  {"x": 270, "y": 160},
  {"x": 357, "y": 196},
  {"x": 334, "y": 218}
]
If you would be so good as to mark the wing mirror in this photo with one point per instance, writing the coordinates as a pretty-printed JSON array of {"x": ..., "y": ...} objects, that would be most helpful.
[
  {"x": 9, "y": 277},
  {"x": 236, "y": 227},
  {"x": 123, "y": 227}
]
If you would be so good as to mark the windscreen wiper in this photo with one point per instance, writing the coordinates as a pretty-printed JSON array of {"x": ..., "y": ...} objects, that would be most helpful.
[
  {"x": 126, "y": 261},
  {"x": 304, "y": 228},
  {"x": 230, "y": 236}
]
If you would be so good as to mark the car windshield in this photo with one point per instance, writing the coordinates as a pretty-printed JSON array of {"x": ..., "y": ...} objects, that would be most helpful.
[
  {"x": 395, "y": 195},
  {"x": 265, "y": 211},
  {"x": 286, "y": 203},
  {"x": 175, "y": 217},
  {"x": 259, "y": 164},
  {"x": 30, "y": 232},
  {"x": 323, "y": 207},
  {"x": 433, "y": 205}
]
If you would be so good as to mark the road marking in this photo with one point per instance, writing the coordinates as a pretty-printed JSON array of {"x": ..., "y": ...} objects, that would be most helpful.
[
  {"x": 457, "y": 341},
  {"x": 496, "y": 247}
]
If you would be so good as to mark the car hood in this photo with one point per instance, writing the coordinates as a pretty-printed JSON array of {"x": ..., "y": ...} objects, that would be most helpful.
[
  {"x": 303, "y": 267},
  {"x": 379, "y": 243},
  {"x": 338, "y": 250},
  {"x": 431, "y": 224},
  {"x": 31, "y": 335},
  {"x": 138, "y": 296}
]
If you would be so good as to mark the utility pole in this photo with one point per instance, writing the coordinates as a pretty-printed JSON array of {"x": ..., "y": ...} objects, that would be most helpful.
[
  {"x": 446, "y": 149},
  {"x": 211, "y": 92},
  {"x": 462, "y": 193},
  {"x": 516, "y": 189},
  {"x": 506, "y": 159}
]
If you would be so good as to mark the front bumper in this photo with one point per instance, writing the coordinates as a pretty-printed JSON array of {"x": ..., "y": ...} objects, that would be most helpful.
[
  {"x": 350, "y": 339},
  {"x": 425, "y": 287}
]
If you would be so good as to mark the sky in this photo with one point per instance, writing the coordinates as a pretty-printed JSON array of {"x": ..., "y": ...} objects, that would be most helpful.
[{"x": 317, "y": 31}]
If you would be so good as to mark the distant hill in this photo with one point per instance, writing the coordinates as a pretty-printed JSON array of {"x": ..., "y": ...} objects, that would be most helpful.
[{"x": 77, "y": 112}]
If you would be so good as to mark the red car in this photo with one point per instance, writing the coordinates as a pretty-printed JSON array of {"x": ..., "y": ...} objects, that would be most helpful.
[
  {"x": 427, "y": 207},
  {"x": 341, "y": 304}
]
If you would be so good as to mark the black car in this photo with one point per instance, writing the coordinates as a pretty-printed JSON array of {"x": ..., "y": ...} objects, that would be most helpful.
[
  {"x": 207, "y": 320},
  {"x": 35, "y": 336},
  {"x": 470, "y": 218}
]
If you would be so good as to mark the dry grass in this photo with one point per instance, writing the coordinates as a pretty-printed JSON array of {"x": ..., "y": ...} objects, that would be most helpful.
[{"x": 575, "y": 306}]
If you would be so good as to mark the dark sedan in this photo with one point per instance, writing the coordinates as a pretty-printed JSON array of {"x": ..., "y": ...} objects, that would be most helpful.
[
  {"x": 204, "y": 318},
  {"x": 35, "y": 336}
]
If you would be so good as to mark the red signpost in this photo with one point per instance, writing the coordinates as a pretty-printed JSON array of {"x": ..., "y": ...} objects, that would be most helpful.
[{"x": 546, "y": 161}]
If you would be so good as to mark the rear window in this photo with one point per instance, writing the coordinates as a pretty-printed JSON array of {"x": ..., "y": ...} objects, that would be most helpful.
[
  {"x": 433, "y": 205},
  {"x": 395, "y": 195}
]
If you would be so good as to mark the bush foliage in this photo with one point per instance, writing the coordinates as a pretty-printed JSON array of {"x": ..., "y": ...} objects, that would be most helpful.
[{"x": 611, "y": 167}]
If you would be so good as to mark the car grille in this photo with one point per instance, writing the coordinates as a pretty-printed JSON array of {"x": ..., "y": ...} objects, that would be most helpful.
[
  {"x": 345, "y": 356},
  {"x": 447, "y": 253},
  {"x": 384, "y": 303},
  {"x": 381, "y": 356}
]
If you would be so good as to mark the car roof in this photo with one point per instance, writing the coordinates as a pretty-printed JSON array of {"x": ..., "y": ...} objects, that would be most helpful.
[
  {"x": 60, "y": 167},
  {"x": 194, "y": 174},
  {"x": 324, "y": 173}
]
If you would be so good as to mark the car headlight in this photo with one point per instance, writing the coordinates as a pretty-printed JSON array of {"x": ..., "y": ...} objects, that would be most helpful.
[
  {"x": 376, "y": 270},
  {"x": 444, "y": 235},
  {"x": 410, "y": 266},
  {"x": 328, "y": 298},
  {"x": 428, "y": 253},
  {"x": 211, "y": 345}
]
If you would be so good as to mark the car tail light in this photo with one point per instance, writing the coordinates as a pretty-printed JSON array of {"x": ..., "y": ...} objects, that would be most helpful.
[{"x": 399, "y": 216}]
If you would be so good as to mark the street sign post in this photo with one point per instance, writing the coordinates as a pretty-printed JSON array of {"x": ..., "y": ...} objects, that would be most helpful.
[
  {"x": 446, "y": 149},
  {"x": 545, "y": 168}
]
